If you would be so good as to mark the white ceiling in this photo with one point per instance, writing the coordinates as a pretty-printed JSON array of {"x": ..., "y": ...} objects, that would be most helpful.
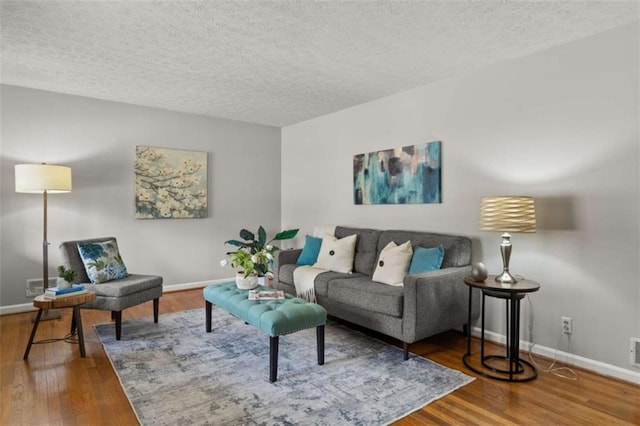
[{"x": 276, "y": 63}]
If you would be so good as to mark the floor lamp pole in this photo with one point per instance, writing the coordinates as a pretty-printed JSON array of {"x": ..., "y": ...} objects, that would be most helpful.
[
  {"x": 45, "y": 246},
  {"x": 48, "y": 314}
]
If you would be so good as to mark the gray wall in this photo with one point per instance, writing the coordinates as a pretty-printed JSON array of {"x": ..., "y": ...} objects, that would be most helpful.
[
  {"x": 97, "y": 140},
  {"x": 560, "y": 125}
]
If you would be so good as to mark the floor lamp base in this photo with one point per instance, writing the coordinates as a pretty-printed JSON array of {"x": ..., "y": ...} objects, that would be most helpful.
[{"x": 48, "y": 314}]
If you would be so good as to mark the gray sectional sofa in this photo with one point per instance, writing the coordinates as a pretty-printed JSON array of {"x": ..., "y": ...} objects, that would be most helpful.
[{"x": 428, "y": 303}]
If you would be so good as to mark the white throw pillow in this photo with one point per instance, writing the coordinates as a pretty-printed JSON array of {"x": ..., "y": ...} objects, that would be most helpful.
[
  {"x": 393, "y": 263},
  {"x": 337, "y": 254}
]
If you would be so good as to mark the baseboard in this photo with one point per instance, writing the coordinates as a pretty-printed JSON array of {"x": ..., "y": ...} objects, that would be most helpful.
[
  {"x": 28, "y": 307},
  {"x": 196, "y": 284},
  {"x": 568, "y": 358},
  {"x": 16, "y": 309}
]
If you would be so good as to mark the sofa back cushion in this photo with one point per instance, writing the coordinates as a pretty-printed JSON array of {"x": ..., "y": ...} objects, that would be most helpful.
[
  {"x": 366, "y": 247},
  {"x": 457, "y": 249}
]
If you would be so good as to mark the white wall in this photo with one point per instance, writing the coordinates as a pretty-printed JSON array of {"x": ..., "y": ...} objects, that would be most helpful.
[
  {"x": 97, "y": 139},
  {"x": 560, "y": 125}
]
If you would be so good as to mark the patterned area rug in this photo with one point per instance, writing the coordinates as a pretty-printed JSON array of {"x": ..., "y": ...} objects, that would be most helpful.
[{"x": 176, "y": 373}]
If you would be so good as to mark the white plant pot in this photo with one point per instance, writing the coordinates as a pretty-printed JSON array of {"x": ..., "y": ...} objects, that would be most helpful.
[
  {"x": 263, "y": 281},
  {"x": 62, "y": 283},
  {"x": 246, "y": 283}
]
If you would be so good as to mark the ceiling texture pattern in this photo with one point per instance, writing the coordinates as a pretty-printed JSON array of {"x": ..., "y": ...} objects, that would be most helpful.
[{"x": 277, "y": 62}]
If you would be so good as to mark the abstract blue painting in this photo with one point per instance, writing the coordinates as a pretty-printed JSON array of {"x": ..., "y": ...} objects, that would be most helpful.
[{"x": 406, "y": 175}]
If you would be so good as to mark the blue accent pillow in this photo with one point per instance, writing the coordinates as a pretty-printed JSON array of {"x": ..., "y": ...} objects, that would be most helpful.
[
  {"x": 426, "y": 259},
  {"x": 309, "y": 254},
  {"x": 102, "y": 261}
]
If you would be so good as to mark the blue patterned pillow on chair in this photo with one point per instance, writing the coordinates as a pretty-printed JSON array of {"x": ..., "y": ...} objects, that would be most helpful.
[{"x": 102, "y": 261}]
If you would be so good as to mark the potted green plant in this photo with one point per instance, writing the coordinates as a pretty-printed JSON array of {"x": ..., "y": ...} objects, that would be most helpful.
[
  {"x": 254, "y": 255},
  {"x": 65, "y": 277}
]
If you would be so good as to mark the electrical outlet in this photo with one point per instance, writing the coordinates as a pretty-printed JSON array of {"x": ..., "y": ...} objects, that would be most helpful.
[
  {"x": 566, "y": 325},
  {"x": 634, "y": 351}
]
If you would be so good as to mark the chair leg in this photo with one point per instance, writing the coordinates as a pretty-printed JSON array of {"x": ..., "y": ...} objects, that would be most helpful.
[
  {"x": 405, "y": 348},
  {"x": 118, "y": 319},
  {"x": 113, "y": 315},
  {"x": 156, "y": 309}
]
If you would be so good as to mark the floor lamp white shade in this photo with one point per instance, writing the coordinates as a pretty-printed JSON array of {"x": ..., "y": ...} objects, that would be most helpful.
[
  {"x": 38, "y": 178},
  {"x": 43, "y": 179}
]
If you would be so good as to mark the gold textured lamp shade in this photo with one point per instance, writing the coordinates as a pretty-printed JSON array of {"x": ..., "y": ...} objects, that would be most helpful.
[{"x": 507, "y": 214}]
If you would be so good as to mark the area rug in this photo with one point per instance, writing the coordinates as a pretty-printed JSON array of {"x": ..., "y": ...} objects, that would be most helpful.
[{"x": 175, "y": 373}]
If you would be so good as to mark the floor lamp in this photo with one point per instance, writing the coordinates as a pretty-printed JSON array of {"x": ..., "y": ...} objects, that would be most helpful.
[{"x": 43, "y": 179}]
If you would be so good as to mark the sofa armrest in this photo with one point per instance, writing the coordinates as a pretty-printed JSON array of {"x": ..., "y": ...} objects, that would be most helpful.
[
  {"x": 436, "y": 301},
  {"x": 284, "y": 257}
]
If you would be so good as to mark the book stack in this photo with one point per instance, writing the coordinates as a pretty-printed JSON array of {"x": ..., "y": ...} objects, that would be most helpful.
[
  {"x": 266, "y": 295},
  {"x": 58, "y": 293}
]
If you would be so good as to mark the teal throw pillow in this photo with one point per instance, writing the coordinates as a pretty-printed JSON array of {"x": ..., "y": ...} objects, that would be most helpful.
[
  {"x": 309, "y": 254},
  {"x": 426, "y": 259},
  {"x": 102, "y": 261}
]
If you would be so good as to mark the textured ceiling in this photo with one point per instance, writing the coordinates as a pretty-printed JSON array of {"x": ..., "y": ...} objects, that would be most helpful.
[{"x": 276, "y": 63}]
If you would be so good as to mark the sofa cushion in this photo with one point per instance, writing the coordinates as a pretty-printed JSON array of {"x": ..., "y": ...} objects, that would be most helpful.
[
  {"x": 336, "y": 254},
  {"x": 310, "y": 251},
  {"x": 393, "y": 263},
  {"x": 366, "y": 247},
  {"x": 364, "y": 293},
  {"x": 321, "y": 284},
  {"x": 322, "y": 280},
  {"x": 457, "y": 250},
  {"x": 426, "y": 259}
]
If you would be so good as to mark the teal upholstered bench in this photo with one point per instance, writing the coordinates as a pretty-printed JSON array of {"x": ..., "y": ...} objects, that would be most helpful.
[{"x": 274, "y": 317}]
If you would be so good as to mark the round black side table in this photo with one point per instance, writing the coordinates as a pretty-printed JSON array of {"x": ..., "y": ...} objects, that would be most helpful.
[{"x": 512, "y": 293}]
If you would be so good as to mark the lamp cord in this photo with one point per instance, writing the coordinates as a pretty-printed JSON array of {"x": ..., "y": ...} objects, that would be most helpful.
[{"x": 562, "y": 372}]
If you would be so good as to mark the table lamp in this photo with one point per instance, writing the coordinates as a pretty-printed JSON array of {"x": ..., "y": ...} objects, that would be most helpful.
[
  {"x": 507, "y": 214},
  {"x": 43, "y": 179}
]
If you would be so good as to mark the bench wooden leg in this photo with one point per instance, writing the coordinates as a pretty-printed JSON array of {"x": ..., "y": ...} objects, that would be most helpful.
[
  {"x": 273, "y": 358},
  {"x": 207, "y": 313},
  {"x": 320, "y": 343}
]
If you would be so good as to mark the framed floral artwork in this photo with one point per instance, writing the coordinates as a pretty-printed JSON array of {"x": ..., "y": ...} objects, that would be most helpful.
[{"x": 170, "y": 183}]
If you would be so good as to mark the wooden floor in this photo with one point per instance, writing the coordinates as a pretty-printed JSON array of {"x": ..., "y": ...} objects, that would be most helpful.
[{"x": 56, "y": 386}]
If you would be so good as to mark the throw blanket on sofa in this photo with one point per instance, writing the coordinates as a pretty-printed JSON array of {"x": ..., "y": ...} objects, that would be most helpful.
[{"x": 304, "y": 278}]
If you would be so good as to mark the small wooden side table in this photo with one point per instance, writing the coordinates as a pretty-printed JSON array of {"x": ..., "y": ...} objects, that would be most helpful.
[
  {"x": 74, "y": 302},
  {"x": 512, "y": 293}
]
